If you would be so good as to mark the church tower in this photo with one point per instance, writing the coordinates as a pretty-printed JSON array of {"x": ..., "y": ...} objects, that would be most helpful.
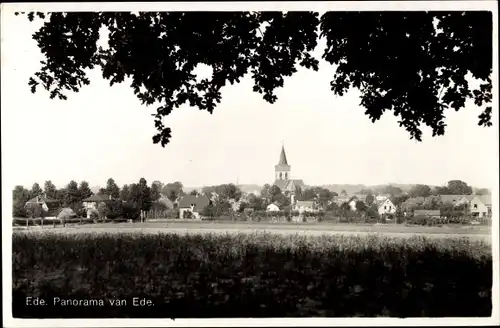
[{"x": 282, "y": 170}]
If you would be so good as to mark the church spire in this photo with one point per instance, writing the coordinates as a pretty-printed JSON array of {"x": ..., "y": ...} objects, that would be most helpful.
[{"x": 283, "y": 160}]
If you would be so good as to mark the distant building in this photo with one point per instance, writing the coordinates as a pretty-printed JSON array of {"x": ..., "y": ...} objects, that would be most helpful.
[
  {"x": 386, "y": 207},
  {"x": 456, "y": 200},
  {"x": 480, "y": 206},
  {"x": 282, "y": 175},
  {"x": 272, "y": 208},
  {"x": 305, "y": 206},
  {"x": 49, "y": 206},
  {"x": 193, "y": 204},
  {"x": 93, "y": 202}
]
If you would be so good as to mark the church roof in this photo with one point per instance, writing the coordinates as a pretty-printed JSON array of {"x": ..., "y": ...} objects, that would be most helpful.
[
  {"x": 283, "y": 160},
  {"x": 289, "y": 185}
]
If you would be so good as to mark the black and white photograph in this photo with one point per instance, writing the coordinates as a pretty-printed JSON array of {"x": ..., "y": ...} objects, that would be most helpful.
[{"x": 250, "y": 163}]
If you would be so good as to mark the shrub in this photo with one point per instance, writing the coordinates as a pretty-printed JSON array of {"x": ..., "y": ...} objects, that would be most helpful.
[
  {"x": 259, "y": 275},
  {"x": 173, "y": 213},
  {"x": 187, "y": 215},
  {"x": 114, "y": 209},
  {"x": 131, "y": 211}
]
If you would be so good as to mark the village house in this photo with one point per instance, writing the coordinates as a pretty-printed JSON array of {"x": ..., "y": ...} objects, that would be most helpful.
[
  {"x": 272, "y": 208},
  {"x": 456, "y": 200},
  {"x": 305, "y": 206},
  {"x": 480, "y": 206},
  {"x": 386, "y": 207},
  {"x": 193, "y": 204},
  {"x": 92, "y": 202},
  {"x": 49, "y": 206}
]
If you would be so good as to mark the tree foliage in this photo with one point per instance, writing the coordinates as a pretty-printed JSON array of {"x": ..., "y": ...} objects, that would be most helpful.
[
  {"x": 420, "y": 190},
  {"x": 36, "y": 190},
  {"x": 84, "y": 190},
  {"x": 173, "y": 190},
  {"x": 20, "y": 196},
  {"x": 50, "y": 189},
  {"x": 482, "y": 191},
  {"x": 112, "y": 189},
  {"x": 458, "y": 187},
  {"x": 369, "y": 199},
  {"x": 414, "y": 64}
]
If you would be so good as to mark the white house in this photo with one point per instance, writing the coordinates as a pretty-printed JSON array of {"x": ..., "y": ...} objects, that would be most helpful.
[
  {"x": 193, "y": 204},
  {"x": 480, "y": 206},
  {"x": 272, "y": 208},
  {"x": 304, "y": 206},
  {"x": 386, "y": 207}
]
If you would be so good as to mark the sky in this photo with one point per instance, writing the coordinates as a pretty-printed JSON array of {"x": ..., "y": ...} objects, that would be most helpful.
[{"x": 104, "y": 132}]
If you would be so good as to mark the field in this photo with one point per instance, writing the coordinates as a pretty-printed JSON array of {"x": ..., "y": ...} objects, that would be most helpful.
[
  {"x": 310, "y": 229},
  {"x": 251, "y": 274}
]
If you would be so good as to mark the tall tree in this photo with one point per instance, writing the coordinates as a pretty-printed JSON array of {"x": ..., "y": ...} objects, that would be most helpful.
[
  {"x": 432, "y": 203},
  {"x": 159, "y": 184},
  {"x": 361, "y": 206},
  {"x": 144, "y": 195},
  {"x": 369, "y": 199},
  {"x": 308, "y": 194},
  {"x": 440, "y": 190},
  {"x": 112, "y": 189},
  {"x": 36, "y": 190},
  {"x": 50, "y": 189},
  {"x": 20, "y": 196},
  {"x": 125, "y": 193},
  {"x": 156, "y": 191},
  {"x": 420, "y": 191},
  {"x": 173, "y": 190},
  {"x": 72, "y": 197},
  {"x": 413, "y": 67},
  {"x": 274, "y": 191},
  {"x": 458, "y": 187},
  {"x": 265, "y": 193},
  {"x": 84, "y": 190}
]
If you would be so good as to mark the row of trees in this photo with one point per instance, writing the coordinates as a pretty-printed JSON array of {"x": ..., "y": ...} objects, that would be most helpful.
[
  {"x": 453, "y": 187},
  {"x": 140, "y": 195}
]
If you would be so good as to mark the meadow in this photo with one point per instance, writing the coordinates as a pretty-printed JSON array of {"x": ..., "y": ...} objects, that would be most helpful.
[{"x": 251, "y": 275}]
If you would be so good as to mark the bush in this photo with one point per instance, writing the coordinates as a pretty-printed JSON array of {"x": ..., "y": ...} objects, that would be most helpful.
[
  {"x": 259, "y": 275},
  {"x": 173, "y": 213},
  {"x": 131, "y": 211},
  {"x": 187, "y": 215},
  {"x": 114, "y": 209}
]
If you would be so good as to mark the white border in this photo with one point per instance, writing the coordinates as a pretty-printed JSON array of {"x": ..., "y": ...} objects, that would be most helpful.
[{"x": 319, "y": 6}]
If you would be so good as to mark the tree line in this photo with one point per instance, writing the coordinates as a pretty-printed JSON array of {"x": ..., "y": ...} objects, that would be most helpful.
[{"x": 138, "y": 196}]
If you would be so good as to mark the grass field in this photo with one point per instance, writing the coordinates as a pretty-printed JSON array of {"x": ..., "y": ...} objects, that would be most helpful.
[
  {"x": 249, "y": 274},
  {"x": 313, "y": 229}
]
